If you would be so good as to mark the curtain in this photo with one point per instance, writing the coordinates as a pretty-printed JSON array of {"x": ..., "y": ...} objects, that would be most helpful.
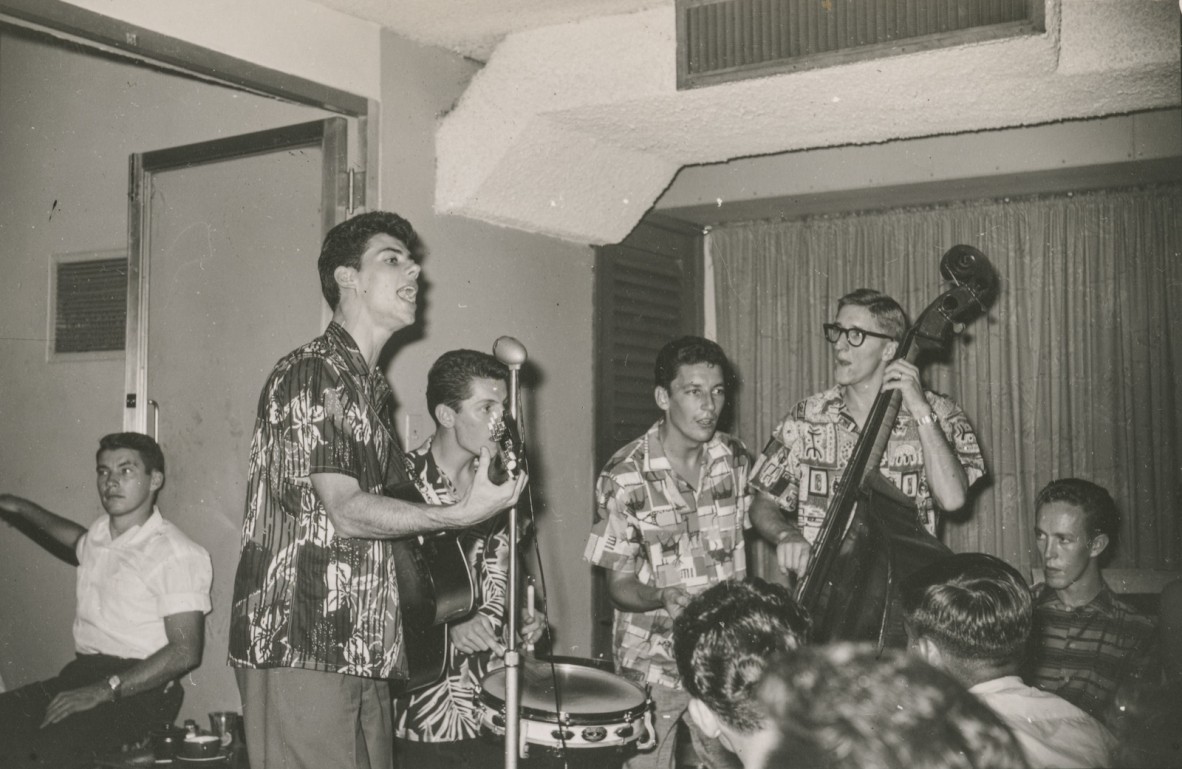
[{"x": 1073, "y": 372}]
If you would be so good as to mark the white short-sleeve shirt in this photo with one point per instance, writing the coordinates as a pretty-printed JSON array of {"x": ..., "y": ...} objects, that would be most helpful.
[{"x": 127, "y": 586}]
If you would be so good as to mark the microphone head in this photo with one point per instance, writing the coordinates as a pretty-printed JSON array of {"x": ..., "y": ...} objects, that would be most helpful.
[{"x": 509, "y": 351}]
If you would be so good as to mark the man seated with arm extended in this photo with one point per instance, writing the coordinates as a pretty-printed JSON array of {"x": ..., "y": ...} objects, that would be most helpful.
[
  {"x": 970, "y": 614},
  {"x": 723, "y": 640},
  {"x": 142, "y": 595}
]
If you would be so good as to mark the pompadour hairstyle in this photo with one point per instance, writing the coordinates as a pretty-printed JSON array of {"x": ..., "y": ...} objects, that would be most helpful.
[
  {"x": 450, "y": 379},
  {"x": 345, "y": 243},
  {"x": 972, "y": 605},
  {"x": 889, "y": 313},
  {"x": 843, "y": 706},
  {"x": 144, "y": 445},
  {"x": 686, "y": 351},
  {"x": 725, "y": 637}
]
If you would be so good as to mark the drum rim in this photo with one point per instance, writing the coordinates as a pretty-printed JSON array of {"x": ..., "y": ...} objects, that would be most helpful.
[{"x": 597, "y": 718}]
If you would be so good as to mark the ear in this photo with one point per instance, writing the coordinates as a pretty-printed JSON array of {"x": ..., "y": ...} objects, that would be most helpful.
[
  {"x": 445, "y": 415},
  {"x": 1098, "y": 545},
  {"x": 928, "y": 650},
  {"x": 888, "y": 351},
  {"x": 704, "y": 717},
  {"x": 346, "y": 277},
  {"x": 156, "y": 481},
  {"x": 661, "y": 396}
]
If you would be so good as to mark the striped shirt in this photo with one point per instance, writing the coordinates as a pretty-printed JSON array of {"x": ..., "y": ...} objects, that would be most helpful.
[
  {"x": 1084, "y": 653},
  {"x": 651, "y": 523},
  {"x": 450, "y": 710},
  {"x": 303, "y": 596}
]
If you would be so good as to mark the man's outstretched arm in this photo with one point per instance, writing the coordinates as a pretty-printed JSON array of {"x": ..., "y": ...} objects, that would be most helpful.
[{"x": 53, "y": 532}]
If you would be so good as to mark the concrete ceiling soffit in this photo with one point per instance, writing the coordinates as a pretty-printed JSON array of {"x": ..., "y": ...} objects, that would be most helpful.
[{"x": 575, "y": 130}]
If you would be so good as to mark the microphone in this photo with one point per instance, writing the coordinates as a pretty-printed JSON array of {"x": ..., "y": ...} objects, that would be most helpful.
[{"x": 509, "y": 351}]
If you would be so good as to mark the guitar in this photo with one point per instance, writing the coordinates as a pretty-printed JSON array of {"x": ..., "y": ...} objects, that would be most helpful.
[{"x": 434, "y": 581}]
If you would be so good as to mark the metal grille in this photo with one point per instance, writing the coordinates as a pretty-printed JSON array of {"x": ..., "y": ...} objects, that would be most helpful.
[
  {"x": 721, "y": 40},
  {"x": 90, "y": 314}
]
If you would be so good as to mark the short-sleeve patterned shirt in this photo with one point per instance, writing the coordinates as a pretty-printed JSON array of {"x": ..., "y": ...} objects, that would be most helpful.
[
  {"x": 651, "y": 523},
  {"x": 450, "y": 710},
  {"x": 803, "y": 462},
  {"x": 305, "y": 597},
  {"x": 1083, "y": 654}
]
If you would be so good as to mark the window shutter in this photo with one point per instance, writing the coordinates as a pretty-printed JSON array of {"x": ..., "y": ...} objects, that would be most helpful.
[{"x": 90, "y": 305}]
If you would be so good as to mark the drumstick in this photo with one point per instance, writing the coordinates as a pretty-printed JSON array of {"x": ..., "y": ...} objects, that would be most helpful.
[{"x": 529, "y": 611}]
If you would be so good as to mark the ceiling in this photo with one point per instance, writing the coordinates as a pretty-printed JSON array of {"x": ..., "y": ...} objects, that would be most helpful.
[
  {"x": 474, "y": 27},
  {"x": 574, "y": 127}
]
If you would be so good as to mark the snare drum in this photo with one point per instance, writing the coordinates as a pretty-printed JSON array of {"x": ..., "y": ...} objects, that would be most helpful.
[{"x": 589, "y": 707}]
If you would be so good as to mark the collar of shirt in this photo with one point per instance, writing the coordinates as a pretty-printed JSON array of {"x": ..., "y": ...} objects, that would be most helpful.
[
  {"x": 347, "y": 346},
  {"x": 835, "y": 409},
  {"x": 1104, "y": 602},
  {"x": 998, "y": 685},
  {"x": 101, "y": 535},
  {"x": 654, "y": 453}
]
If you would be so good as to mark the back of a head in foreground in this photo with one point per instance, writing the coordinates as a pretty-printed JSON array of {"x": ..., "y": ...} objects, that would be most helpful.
[{"x": 843, "y": 706}]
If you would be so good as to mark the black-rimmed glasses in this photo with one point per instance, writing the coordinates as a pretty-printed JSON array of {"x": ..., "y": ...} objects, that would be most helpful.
[{"x": 854, "y": 335}]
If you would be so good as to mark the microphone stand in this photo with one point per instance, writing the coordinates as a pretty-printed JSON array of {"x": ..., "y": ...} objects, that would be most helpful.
[{"x": 511, "y": 352}]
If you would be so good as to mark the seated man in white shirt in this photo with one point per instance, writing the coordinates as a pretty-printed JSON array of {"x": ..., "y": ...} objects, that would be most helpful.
[
  {"x": 970, "y": 614},
  {"x": 142, "y": 596}
]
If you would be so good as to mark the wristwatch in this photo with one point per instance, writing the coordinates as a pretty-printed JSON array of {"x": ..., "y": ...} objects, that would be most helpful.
[{"x": 114, "y": 683}]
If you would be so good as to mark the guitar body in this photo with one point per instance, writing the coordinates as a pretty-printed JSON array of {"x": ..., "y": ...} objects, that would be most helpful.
[{"x": 434, "y": 588}]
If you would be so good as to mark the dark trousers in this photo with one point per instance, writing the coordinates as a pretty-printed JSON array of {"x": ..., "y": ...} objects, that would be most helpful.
[{"x": 77, "y": 739}]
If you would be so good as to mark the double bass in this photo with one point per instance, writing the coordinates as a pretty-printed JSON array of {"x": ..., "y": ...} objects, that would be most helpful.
[{"x": 871, "y": 537}]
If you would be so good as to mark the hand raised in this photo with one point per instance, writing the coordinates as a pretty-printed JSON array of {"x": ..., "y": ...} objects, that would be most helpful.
[{"x": 485, "y": 498}]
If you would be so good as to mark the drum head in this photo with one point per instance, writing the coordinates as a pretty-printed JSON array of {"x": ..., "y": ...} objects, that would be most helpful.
[{"x": 583, "y": 692}]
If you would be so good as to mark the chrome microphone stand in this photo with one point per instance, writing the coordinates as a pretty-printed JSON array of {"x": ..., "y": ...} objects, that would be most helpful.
[{"x": 512, "y": 353}]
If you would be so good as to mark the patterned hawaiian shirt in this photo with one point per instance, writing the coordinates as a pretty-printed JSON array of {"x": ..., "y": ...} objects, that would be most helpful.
[
  {"x": 1083, "y": 654},
  {"x": 803, "y": 462},
  {"x": 652, "y": 523},
  {"x": 305, "y": 597},
  {"x": 450, "y": 710}
]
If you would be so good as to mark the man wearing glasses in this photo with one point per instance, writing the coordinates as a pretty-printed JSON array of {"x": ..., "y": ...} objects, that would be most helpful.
[{"x": 932, "y": 455}]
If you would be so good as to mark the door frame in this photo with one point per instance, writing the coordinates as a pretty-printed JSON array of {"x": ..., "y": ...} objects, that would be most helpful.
[{"x": 330, "y": 135}]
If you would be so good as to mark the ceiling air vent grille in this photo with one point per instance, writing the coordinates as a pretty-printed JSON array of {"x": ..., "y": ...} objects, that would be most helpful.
[{"x": 722, "y": 40}]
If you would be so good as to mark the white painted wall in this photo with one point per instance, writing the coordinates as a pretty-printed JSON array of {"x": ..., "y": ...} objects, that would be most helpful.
[
  {"x": 67, "y": 125},
  {"x": 487, "y": 281}
]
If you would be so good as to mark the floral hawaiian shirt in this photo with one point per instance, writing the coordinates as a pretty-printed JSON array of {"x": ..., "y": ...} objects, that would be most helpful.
[
  {"x": 652, "y": 523},
  {"x": 450, "y": 710},
  {"x": 305, "y": 597},
  {"x": 803, "y": 462}
]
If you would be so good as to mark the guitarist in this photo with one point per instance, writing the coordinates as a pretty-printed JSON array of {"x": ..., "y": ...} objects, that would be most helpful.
[
  {"x": 316, "y": 629},
  {"x": 439, "y": 726},
  {"x": 932, "y": 455}
]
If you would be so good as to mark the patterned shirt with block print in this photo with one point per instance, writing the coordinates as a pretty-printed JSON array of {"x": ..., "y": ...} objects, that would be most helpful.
[
  {"x": 651, "y": 523},
  {"x": 803, "y": 462}
]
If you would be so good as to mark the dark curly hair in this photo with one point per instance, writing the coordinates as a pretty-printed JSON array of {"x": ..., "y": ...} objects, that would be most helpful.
[
  {"x": 450, "y": 379},
  {"x": 345, "y": 243},
  {"x": 686, "y": 351},
  {"x": 725, "y": 637}
]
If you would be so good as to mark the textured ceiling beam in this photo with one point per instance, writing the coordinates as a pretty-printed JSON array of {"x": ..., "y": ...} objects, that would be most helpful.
[{"x": 575, "y": 130}]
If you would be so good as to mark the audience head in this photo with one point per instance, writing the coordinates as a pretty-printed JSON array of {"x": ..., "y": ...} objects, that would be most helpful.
[
  {"x": 1075, "y": 530},
  {"x": 137, "y": 485},
  {"x": 346, "y": 242},
  {"x": 886, "y": 311},
  {"x": 844, "y": 706},
  {"x": 723, "y": 640},
  {"x": 688, "y": 351},
  {"x": 969, "y": 613},
  {"x": 449, "y": 382}
]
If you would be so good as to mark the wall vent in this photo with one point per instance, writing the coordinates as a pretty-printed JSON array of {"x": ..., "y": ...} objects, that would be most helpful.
[
  {"x": 724, "y": 40},
  {"x": 88, "y": 305}
]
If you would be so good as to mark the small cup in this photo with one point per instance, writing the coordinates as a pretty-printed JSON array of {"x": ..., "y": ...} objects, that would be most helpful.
[
  {"x": 227, "y": 725},
  {"x": 200, "y": 746}
]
